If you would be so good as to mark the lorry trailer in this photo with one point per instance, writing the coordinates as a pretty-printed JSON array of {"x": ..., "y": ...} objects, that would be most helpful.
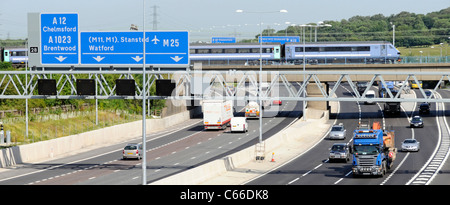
[
  {"x": 252, "y": 110},
  {"x": 217, "y": 113}
]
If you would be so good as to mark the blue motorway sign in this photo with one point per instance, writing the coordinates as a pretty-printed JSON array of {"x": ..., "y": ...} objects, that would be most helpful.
[
  {"x": 59, "y": 38},
  {"x": 279, "y": 39},
  {"x": 223, "y": 40},
  {"x": 126, "y": 48}
]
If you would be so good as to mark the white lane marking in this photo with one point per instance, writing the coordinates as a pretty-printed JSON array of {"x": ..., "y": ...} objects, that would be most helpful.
[
  {"x": 106, "y": 153},
  {"x": 326, "y": 134},
  {"x": 434, "y": 164}
]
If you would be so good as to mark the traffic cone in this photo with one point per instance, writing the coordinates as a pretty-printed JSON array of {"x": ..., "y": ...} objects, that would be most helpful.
[{"x": 273, "y": 160}]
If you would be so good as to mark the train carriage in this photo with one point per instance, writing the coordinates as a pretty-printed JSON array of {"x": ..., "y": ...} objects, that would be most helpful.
[
  {"x": 235, "y": 53},
  {"x": 342, "y": 52}
]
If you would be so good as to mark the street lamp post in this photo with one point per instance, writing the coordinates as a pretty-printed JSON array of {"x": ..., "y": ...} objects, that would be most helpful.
[
  {"x": 319, "y": 24},
  {"x": 260, "y": 64},
  {"x": 393, "y": 34}
]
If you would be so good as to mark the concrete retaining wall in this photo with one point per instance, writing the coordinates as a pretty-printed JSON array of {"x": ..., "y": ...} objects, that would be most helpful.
[
  {"x": 46, "y": 150},
  {"x": 289, "y": 142}
]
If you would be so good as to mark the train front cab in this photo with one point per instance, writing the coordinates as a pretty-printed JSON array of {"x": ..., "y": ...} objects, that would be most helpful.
[{"x": 5, "y": 55}]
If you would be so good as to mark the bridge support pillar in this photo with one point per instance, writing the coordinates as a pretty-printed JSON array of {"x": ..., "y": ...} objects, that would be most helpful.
[{"x": 317, "y": 109}]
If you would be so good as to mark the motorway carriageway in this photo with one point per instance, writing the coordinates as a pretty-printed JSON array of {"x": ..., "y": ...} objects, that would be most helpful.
[
  {"x": 179, "y": 148},
  {"x": 411, "y": 168}
]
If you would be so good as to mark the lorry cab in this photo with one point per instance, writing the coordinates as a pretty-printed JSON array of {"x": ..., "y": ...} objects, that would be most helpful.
[
  {"x": 239, "y": 124},
  {"x": 373, "y": 151}
]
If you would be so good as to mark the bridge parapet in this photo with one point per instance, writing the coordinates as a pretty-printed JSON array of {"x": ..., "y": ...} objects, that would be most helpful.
[{"x": 438, "y": 68}]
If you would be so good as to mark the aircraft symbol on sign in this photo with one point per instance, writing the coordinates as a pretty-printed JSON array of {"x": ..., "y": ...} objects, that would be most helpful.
[{"x": 155, "y": 40}]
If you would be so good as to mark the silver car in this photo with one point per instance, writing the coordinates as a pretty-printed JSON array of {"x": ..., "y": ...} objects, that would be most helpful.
[
  {"x": 339, "y": 151},
  {"x": 337, "y": 132},
  {"x": 132, "y": 150},
  {"x": 410, "y": 145}
]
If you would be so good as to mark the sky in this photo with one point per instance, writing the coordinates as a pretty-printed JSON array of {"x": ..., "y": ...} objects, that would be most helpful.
[{"x": 203, "y": 18}]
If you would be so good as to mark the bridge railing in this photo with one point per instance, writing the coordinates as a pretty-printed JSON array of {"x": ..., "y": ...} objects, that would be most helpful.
[
  {"x": 425, "y": 59},
  {"x": 337, "y": 61}
]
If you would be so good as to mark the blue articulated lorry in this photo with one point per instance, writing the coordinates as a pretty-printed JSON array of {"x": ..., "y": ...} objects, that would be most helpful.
[{"x": 373, "y": 151}]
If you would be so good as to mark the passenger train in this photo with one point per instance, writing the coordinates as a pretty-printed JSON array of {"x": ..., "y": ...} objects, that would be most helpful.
[
  {"x": 16, "y": 56},
  {"x": 292, "y": 53},
  {"x": 272, "y": 53}
]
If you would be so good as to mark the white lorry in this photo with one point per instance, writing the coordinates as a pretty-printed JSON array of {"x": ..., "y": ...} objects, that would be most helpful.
[
  {"x": 217, "y": 113},
  {"x": 252, "y": 110}
]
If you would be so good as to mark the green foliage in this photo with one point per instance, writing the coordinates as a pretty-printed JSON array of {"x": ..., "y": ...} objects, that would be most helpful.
[
  {"x": 5, "y": 66},
  {"x": 410, "y": 29}
]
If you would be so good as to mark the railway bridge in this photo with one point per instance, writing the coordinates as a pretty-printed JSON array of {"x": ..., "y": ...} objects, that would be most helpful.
[
  {"x": 372, "y": 73},
  {"x": 438, "y": 68}
]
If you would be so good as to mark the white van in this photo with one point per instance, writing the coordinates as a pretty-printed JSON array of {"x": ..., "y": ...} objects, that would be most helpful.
[
  {"x": 370, "y": 94},
  {"x": 239, "y": 124}
]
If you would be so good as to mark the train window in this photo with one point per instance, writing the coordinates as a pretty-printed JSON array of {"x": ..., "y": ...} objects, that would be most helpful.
[
  {"x": 202, "y": 51},
  {"x": 217, "y": 50},
  {"x": 18, "y": 53},
  {"x": 193, "y": 51},
  {"x": 337, "y": 49},
  {"x": 363, "y": 48},
  {"x": 230, "y": 50},
  {"x": 311, "y": 49},
  {"x": 244, "y": 50}
]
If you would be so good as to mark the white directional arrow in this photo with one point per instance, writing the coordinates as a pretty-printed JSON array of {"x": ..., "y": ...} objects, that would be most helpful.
[
  {"x": 60, "y": 58},
  {"x": 137, "y": 58},
  {"x": 98, "y": 58},
  {"x": 176, "y": 58}
]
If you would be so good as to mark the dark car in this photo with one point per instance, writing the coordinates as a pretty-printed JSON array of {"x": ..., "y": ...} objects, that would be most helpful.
[
  {"x": 339, "y": 151},
  {"x": 416, "y": 121},
  {"x": 424, "y": 108}
]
